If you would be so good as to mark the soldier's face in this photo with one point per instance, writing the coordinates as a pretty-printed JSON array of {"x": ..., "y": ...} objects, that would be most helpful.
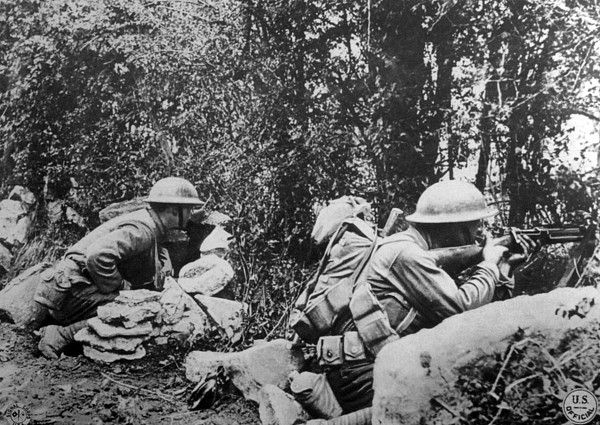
[
  {"x": 186, "y": 213},
  {"x": 468, "y": 233}
]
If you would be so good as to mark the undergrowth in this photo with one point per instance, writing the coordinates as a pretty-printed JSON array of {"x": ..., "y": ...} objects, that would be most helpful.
[{"x": 525, "y": 384}]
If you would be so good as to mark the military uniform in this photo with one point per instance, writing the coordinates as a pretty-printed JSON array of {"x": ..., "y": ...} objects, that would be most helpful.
[
  {"x": 407, "y": 281},
  {"x": 123, "y": 253}
]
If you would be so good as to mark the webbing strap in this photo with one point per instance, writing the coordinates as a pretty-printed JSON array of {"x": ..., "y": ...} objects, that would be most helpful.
[
  {"x": 407, "y": 321},
  {"x": 365, "y": 260},
  {"x": 312, "y": 283},
  {"x": 369, "y": 316}
]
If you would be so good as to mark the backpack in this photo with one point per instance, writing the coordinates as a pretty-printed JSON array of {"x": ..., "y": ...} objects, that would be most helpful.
[
  {"x": 327, "y": 295},
  {"x": 340, "y": 290}
]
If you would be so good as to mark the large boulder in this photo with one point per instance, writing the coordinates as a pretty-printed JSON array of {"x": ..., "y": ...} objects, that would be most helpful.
[
  {"x": 16, "y": 299},
  {"x": 422, "y": 367},
  {"x": 251, "y": 369},
  {"x": 120, "y": 208},
  {"x": 207, "y": 275}
]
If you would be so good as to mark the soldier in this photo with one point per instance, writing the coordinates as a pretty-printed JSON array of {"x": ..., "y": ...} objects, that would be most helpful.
[
  {"x": 403, "y": 289},
  {"x": 123, "y": 253}
]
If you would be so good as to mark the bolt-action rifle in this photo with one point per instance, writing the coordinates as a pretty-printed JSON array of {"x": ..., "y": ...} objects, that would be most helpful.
[{"x": 461, "y": 257}]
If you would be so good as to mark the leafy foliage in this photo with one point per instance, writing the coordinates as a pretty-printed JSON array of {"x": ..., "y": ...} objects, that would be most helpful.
[{"x": 271, "y": 106}]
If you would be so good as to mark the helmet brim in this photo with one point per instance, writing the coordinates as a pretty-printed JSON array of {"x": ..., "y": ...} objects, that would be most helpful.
[
  {"x": 459, "y": 217},
  {"x": 174, "y": 200}
]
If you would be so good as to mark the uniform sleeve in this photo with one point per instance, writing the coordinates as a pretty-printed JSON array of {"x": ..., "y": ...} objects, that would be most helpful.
[
  {"x": 103, "y": 256},
  {"x": 434, "y": 293}
]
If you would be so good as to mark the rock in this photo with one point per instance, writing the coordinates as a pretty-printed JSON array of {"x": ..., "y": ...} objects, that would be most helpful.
[
  {"x": 5, "y": 259},
  {"x": 24, "y": 195},
  {"x": 250, "y": 369},
  {"x": 120, "y": 208},
  {"x": 181, "y": 316},
  {"x": 108, "y": 357},
  {"x": 172, "y": 302},
  {"x": 217, "y": 242},
  {"x": 14, "y": 222},
  {"x": 216, "y": 218},
  {"x": 108, "y": 331},
  {"x": 128, "y": 315},
  {"x": 227, "y": 314},
  {"x": 207, "y": 275},
  {"x": 121, "y": 344},
  {"x": 137, "y": 296},
  {"x": 277, "y": 407},
  {"x": 412, "y": 370},
  {"x": 200, "y": 266},
  {"x": 57, "y": 210},
  {"x": 16, "y": 299},
  {"x": 21, "y": 231},
  {"x": 191, "y": 324}
]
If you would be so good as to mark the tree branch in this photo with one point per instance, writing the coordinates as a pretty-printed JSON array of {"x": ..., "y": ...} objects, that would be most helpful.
[{"x": 575, "y": 111}]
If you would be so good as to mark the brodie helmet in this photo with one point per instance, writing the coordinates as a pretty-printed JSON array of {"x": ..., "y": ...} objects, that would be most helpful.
[
  {"x": 173, "y": 190},
  {"x": 451, "y": 201}
]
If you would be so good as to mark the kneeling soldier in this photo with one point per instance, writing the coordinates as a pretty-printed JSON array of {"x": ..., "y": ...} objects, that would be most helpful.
[{"x": 123, "y": 253}]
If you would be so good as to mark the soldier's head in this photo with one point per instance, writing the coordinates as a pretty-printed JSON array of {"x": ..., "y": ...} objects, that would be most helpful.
[
  {"x": 450, "y": 213},
  {"x": 173, "y": 199}
]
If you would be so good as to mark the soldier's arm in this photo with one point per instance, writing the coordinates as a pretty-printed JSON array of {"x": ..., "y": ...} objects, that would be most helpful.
[
  {"x": 103, "y": 256},
  {"x": 434, "y": 293}
]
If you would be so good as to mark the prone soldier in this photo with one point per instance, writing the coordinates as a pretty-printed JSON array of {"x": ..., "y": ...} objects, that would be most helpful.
[{"x": 400, "y": 288}]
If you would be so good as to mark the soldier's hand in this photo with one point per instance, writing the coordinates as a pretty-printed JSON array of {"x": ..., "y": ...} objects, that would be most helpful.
[
  {"x": 527, "y": 245},
  {"x": 492, "y": 251}
]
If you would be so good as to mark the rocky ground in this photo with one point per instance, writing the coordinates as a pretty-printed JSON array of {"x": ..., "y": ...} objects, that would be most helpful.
[{"x": 76, "y": 390}]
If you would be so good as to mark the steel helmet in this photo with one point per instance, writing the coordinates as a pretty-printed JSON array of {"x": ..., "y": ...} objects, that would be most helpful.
[
  {"x": 173, "y": 190},
  {"x": 451, "y": 201}
]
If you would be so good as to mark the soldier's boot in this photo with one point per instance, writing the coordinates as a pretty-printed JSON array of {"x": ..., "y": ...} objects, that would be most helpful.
[{"x": 54, "y": 339}]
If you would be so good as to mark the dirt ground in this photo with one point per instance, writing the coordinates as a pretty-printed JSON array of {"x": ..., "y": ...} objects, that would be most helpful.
[{"x": 76, "y": 390}]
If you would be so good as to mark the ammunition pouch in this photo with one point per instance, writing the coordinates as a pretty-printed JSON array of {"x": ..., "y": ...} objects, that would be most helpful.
[
  {"x": 336, "y": 350},
  {"x": 323, "y": 311},
  {"x": 370, "y": 319}
]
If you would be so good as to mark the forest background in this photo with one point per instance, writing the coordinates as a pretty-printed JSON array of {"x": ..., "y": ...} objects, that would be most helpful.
[{"x": 272, "y": 106}]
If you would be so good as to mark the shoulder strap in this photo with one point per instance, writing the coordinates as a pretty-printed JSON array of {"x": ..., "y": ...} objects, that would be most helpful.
[
  {"x": 371, "y": 320},
  {"x": 312, "y": 281},
  {"x": 363, "y": 263}
]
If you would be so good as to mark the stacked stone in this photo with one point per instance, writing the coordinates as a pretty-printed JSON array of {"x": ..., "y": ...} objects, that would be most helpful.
[
  {"x": 120, "y": 328},
  {"x": 141, "y": 316}
]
